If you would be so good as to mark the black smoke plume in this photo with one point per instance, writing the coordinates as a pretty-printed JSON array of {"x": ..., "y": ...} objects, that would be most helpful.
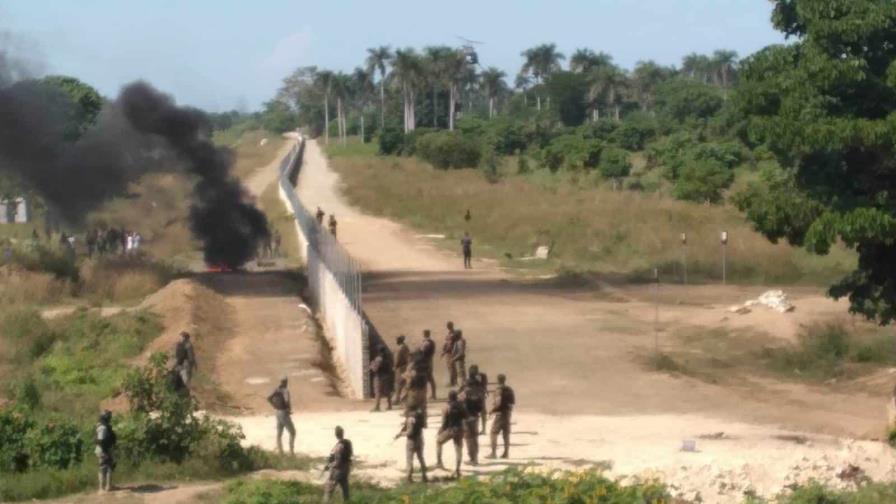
[
  {"x": 142, "y": 131},
  {"x": 230, "y": 228}
]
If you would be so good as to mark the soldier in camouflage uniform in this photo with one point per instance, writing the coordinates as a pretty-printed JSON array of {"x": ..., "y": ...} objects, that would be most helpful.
[{"x": 504, "y": 401}]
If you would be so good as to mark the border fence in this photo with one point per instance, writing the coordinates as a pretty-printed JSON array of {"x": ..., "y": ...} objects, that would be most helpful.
[{"x": 334, "y": 281}]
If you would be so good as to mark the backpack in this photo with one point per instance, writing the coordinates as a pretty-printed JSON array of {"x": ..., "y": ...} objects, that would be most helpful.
[
  {"x": 277, "y": 400},
  {"x": 507, "y": 397},
  {"x": 180, "y": 353}
]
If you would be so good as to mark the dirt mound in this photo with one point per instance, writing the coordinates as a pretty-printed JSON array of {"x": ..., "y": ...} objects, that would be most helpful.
[{"x": 187, "y": 305}]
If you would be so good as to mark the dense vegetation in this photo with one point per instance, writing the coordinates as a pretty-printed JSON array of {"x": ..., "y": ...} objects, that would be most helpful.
[{"x": 776, "y": 134}]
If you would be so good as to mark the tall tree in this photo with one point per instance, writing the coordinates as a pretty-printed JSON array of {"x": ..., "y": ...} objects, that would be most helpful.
[
  {"x": 540, "y": 62},
  {"x": 407, "y": 72},
  {"x": 725, "y": 65},
  {"x": 362, "y": 86},
  {"x": 646, "y": 77},
  {"x": 494, "y": 85},
  {"x": 457, "y": 74},
  {"x": 378, "y": 58},
  {"x": 435, "y": 63},
  {"x": 342, "y": 89},
  {"x": 323, "y": 80},
  {"x": 586, "y": 61},
  {"x": 824, "y": 106},
  {"x": 522, "y": 83},
  {"x": 696, "y": 66},
  {"x": 607, "y": 86}
]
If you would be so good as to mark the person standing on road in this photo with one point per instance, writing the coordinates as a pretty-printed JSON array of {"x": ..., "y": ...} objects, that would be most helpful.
[
  {"x": 473, "y": 395},
  {"x": 402, "y": 359},
  {"x": 428, "y": 349},
  {"x": 447, "y": 350},
  {"x": 416, "y": 389},
  {"x": 282, "y": 404},
  {"x": 412, "y": 429},
  {"x": 319, "y": 216},
  {"x": 453, "y": 417},
  {"x": 504, "y": 400},
  {"x": 483, "y": 381},
  {"x": 105, "y": 442},
  {"x": 185, "y": 358},
  {"x": 381, "y": 367},
  {"x": 466, "y": 244},
  {"x": 332, "y": 225},
  {"x": 459, "y": 357},
  {"x": 340, "y": 466}
]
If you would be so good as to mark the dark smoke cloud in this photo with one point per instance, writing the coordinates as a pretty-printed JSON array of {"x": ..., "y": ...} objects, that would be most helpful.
[
  {"x": 230, "y": 228},
  {"x": 142, "y": 131}
]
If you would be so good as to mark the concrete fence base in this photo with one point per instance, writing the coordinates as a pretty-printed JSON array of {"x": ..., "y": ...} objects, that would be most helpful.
[{"x": 343, "y": 321}]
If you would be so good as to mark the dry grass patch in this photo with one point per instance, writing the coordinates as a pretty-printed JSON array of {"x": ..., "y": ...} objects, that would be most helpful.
[
  {"x": 249, "y": 152},
  {"x": 590, "y": 228}
]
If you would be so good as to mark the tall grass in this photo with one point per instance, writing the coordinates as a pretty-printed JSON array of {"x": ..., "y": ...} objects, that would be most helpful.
[
  {"x": 249, "y": 153},
  {"x": 590, "y": 227}
]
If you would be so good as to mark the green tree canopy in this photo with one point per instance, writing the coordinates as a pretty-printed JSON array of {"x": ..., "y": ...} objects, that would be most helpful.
[
  {"x": 826, "y": 107},
  {"x": 81, "y": 101},
  {"x": 567, "y": 91}
]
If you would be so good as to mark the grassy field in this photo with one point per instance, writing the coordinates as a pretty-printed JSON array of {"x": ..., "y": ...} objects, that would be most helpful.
[
  {"x": 250, "y": 154},
  {"x": 589, "y": 227}
]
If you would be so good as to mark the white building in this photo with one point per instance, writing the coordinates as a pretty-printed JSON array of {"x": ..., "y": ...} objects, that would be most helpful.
[{"x": 14, "y": 211}]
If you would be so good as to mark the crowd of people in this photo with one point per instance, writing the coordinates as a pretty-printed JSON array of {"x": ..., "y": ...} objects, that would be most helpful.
[{"x": 112, "y": 240}]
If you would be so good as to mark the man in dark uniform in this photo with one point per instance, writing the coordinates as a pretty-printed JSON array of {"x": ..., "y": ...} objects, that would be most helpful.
[
  {"x": 319, "y": 216},
  {"x": 453, "y": 417},
  {"x": 504, "y": 400},
  {"x": 185, "y": 358},
  {"x": 466, "y": 244},
  {"x": 428, "y": 349},
  {"x": 105, "y": 442},
  {"x": 416, "y": 388},
  {"x": 340, "y": 466},
  {"x": 483, "y": 380},
  {"x": 281, "y": 401},
  {"x": 412, "y": 429},
  {"x": 473, "y": 394},
  {"x": 381, "y": 367},
  {"x": 402, "y": 359},
  {"x": 332, "y": 225}
]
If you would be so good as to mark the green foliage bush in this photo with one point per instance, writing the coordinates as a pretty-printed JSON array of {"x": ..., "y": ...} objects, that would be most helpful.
[
  {"x": 511, "y": 486},
  {"x": 567, "y": 91},
  {"x": 445, "y": 149},
  {"x": 571, "y": 151},
  {"x": 28, "y": 444},
  {"x": 634, "y": 132},
  {"x": 702, "y": 181},
  {"x": 683, "y": 99},
  {"x": 391, "y": 140},
  {"x": 614, "y": 163}
]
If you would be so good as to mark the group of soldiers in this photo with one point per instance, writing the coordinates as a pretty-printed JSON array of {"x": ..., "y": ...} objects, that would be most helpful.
[
  {"x": 331, "y": 222},
  {"x": 412, "y": 373},
  {"x": 270, "y": 246}
]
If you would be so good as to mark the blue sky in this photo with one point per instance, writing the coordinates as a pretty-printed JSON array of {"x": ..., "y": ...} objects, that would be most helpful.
[{"x": 224, "y": 54}]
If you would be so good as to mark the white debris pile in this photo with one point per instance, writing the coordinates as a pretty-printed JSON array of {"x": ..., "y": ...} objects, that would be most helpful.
[{"x": 774, "y": 299}]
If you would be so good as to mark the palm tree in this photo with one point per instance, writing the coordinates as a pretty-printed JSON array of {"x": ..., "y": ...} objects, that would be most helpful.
[
  {"x": 695, "y": 66},
  {"x": 646, "y": 77},
  {"x": 362, "y": 84},
  {"x": 586, "y": 60},
  {"x": 342, "y": 88},
  {"x": 324, "y": 81},
  {"x": 608, "y": 84},
  {"x": 725, "y": 63},
  {"x": 522, "y": 83},
  {"x": 541, "y": 61},
  {"x": 377, "y": 59},
  {"x": 407, "y": 73},
  {"x": 435, "y": 63},
  {"x": 493, "y": 82},
  {"x": 457, "y": 73}
]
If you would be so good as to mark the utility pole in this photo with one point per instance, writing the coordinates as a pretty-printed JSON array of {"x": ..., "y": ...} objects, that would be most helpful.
[
  {"x": 684, "y": 256},
  {"x": 656, "y": 311},
  {"x": 724, "y": 239}
]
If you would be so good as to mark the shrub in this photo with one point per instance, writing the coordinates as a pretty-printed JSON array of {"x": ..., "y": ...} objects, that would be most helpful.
[
  {"x": 391, "y": 140},
  {"x": 634, "y": 132},
  {"x": 687, "y": 99},
  {"x": 445, "y": 149},
  {"x": 730, "y": 154},
  {"x": 164, "y": 424},
  {"x": 821, "y": 352},
  {"x": 571, "y": 151},
  {"x": 522, "y": 164},
  {"x": 25, "y": 393},
  {"x": 600, "y": 130},
  {"x": 703, "y": 181},
  {"x": 28, "y": 445},
  {"x": 54, "y": 445},
  {"x": 614, "y": 163},
  {"x": 409, "y": 143}
]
